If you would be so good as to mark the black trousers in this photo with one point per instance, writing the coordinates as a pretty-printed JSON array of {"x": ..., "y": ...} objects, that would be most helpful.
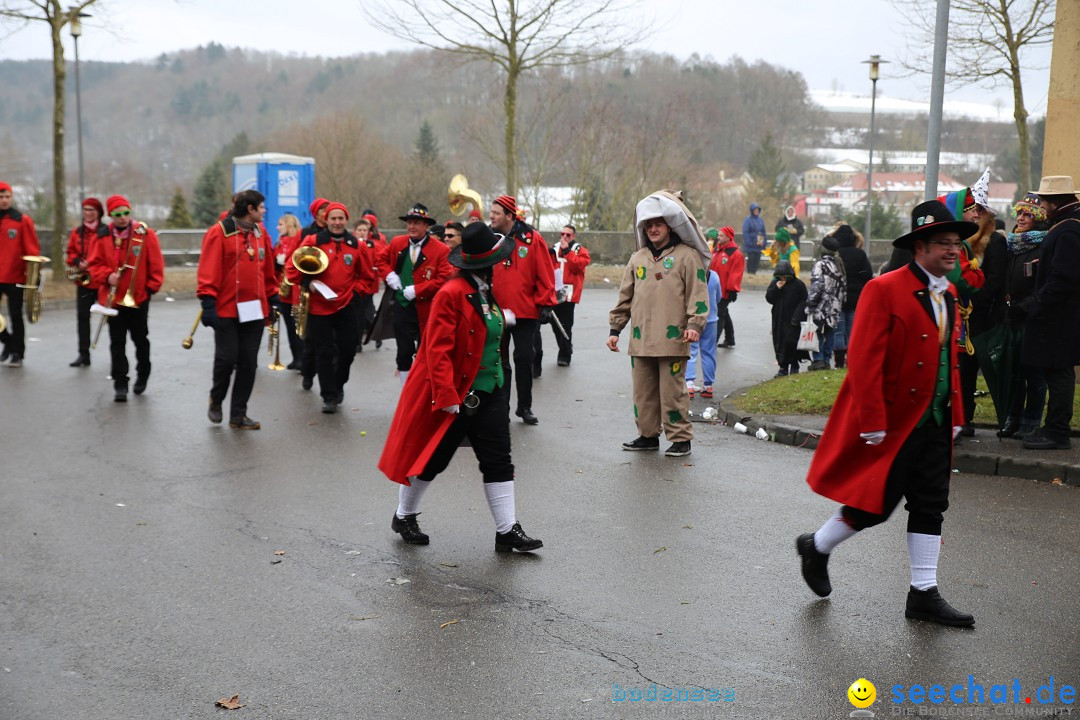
[
  {"x": 565, "y": 312},
  {"x": 724, "y": 327},
  {"x": 753, "y": 259},
  {"x": 524, "y": 336},
  {"x": 1060, "y": 386},
  {"x": 296, "y": 343},
  {"x": 236, "y": 349},
  {"x": 406, "y": 333},
  {"x": 365, "y": 316},
  {"x": 969, "y": 374},
  {"x": 84, "y": 300},
  {"x": 333, "y": 341},
  {"x": 129, "y": 321},
  {"x": 920, "y": 473},
  {"x": 14, "y": 336},
  {"x": 488, "y": 430}
]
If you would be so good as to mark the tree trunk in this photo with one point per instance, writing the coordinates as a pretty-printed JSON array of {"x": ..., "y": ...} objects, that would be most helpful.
[
  {"x": 56, "y": 24},
  {"x": 1020, "y": 115},
  {"x": 510, "y": 132}
]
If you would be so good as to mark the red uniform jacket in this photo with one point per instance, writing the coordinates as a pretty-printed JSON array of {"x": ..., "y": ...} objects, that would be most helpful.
[
  {"x": 430, "y": 272},
  {"x": 17, "y": 238},
  {"x": 525, "y": 282},
  {"x": 376, "y": 248},
  {"x": 576, "y": 260},
  {"x": 729, "y": 264},
  {"x": 445, "y": 367},
  {"x": 236, "y": 266},
  {"x": 80, "y": 241},
  {"x": 109, "y": 253},
  {"x": 348, "y": 271},
  {"x": 892, "y": 368}
]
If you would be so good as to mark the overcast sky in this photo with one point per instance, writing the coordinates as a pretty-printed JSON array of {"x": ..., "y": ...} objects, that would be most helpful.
[{"x": 825, "y": 40}]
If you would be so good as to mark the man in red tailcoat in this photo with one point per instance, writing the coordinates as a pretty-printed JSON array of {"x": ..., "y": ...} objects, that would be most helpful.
[{"x": 891, "y": 429}]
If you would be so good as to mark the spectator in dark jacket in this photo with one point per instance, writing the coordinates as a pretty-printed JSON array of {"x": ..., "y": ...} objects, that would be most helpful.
[
  {"x": 858, "y": 271},
  {"x": 754, "y": 238},
  {"x": 787, "y": 295}
]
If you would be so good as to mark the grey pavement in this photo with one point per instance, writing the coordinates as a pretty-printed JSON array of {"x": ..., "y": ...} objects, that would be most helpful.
[{"x": 138, "y": 574}]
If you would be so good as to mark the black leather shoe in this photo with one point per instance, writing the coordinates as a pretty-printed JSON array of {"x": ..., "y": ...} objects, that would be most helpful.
[
  {"x": 516, "y": 539},
  {"x": 537, "y": 371},
  {"x": 815, "y": 565},
  {"x": 729, "y": 344},
  {"x": 140, "y": 385},
  {"x": 564, "y": 362},
  {"x": 294, "y": 365},
  {"x": 409, "y": 530},
  {"x": 121, "y": 395},
  {"x": 968, "y": 430},
  {"x": 1041, "y": 441},
  {"x": 214, "y": 413},
  {"x": 81, "y": 361},
  {"x": 1009, "y": 429},
  {"x": 527, "y": 416},
  {"x": 678, "y": 449},
  {"x": 244, "y": 423},
  {"x": 642, "y": 443},
  {"x": 929, "y": 605},
  {"x": 329, "y": 406},
  {"x": 307, "y": 382}
]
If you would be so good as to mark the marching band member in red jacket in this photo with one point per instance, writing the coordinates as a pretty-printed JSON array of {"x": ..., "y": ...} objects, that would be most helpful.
[
  {"x": 455, "y": 391},
  {"x": 525, "y": 285},
  {"x": 17, "y": 238},
  {"x": 414, "y": 268},
  {"x": 238, "y": 290},
  {"x": 288, "y": 238},
  {"x": 78, "y": 252},
  {"x": 891, "y": 431},
  {"x": 127, "y": 249},
  {"x": 569, "y": 258},
  {"x": 331, "y": 323},
  {"x": 729, "y": 264}
]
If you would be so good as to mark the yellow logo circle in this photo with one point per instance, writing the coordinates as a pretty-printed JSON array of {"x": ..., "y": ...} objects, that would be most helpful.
[{"x": 862, "y": 693}]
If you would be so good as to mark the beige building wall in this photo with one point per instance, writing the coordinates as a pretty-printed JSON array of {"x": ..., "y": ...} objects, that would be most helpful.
[{"x": 1061, "y": 155}]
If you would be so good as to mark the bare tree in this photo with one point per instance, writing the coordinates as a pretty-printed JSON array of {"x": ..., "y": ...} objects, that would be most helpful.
[
  {"x": 517, "y": 36},
  {"x": 49, "y": 11},
  {"x": 987, "y": 39}
]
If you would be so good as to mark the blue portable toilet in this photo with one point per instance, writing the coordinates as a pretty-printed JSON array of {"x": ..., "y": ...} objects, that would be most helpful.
[{"x": 287, "y": 181}]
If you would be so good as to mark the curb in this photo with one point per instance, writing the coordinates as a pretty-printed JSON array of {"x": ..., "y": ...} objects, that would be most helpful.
[{"x": 965, "y": 461}]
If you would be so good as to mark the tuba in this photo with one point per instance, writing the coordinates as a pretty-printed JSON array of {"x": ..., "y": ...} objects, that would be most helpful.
[
  {"x": 309, "y": 260},
  {"x": 459, "y": 194},
  {"x": 32, "y": 288}
]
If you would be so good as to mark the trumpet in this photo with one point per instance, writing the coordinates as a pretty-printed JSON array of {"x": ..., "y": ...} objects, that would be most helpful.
[
  {"x": 309, "y": 260},
  {"x": 274, "y": 346},
  {"x": 32, "y": 288},
  {"x": 187, "y": 342}
]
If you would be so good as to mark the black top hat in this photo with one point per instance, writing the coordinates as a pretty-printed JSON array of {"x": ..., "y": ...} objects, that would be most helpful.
[
  {"x": 930, "y": 218},
  {"x": 480, "y": 248},
  {"x": 417, "y": 212}
]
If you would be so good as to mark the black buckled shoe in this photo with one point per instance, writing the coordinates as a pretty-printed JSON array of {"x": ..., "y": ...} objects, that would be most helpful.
[
  {"x": 214, "y": 412},
  {"x": 516, "y": 539},
  {"x": 527, "y": 417},
  {"x": 409, "y": 530},
  {"x": 815, "y": 565},
  {"x": 81, "y": 361},
  {"x": 678, "y": 449},
  {"x": 642, "y": 443},
  {"x": 930, "y": 606},
  {"x": 140, "y": 385},
  {"x": 244, "y": 423}
]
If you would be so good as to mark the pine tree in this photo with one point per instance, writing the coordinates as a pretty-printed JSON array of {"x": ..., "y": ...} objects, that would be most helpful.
[
  {"x": 427, "y": 147},
  {"x": 211, "y": 194},
  {"x": 179, "y": 217}
]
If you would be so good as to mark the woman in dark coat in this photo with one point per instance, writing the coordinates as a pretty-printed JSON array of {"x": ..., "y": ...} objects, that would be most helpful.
[
  {"x": 787, "y": 295},
  {"x": 858, "y": 271}
]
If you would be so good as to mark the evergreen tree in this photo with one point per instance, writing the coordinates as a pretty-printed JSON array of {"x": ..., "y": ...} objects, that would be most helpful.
[
  {"x": 885, "y": 221},
  {"x": 211, "y": 194},
  {"x": 179, "y": 217},
  {"x": 427, "y": 147}
]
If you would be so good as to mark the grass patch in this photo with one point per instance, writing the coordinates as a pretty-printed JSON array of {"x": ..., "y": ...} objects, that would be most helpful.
[{"x": 813, "y": 393}]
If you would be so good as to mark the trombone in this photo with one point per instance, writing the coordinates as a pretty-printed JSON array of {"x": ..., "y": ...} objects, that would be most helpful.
[{"x": 107, "y": 310}]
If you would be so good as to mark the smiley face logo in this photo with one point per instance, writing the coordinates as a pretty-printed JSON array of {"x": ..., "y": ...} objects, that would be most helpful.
[{"x": 862, "y": 693}]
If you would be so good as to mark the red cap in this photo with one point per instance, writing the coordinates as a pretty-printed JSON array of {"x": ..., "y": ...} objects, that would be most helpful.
[
  {"x": 729, "y": 231},
  {"x": 93, "y": 202},
  {"x": 116, "y": 201},
  {"x": 5, "y": 186},
  {"x": 317, "y": 205},
  {"x": 337, "y": 206},
  {"x": 370, "y": 217},
  {"x": 508, "y": 203},
  {"x": 476, "y": 214}
]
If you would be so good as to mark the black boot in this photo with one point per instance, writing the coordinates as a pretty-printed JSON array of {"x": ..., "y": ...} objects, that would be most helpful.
[
  {"x": 81, "y": 361},
  {"x": 516, "y": 539},
  {"x": 409, "y": 530},
  {"x": 840, "y": 359},
  {"x": 1009, "y": 429},
  {"x": 526, "y": 415},
  {"x": 815, "y": 565},
  {"x": 929, "y": 605}
]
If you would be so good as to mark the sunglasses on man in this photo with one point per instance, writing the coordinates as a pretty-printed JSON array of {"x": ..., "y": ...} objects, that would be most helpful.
[{"x": 120, "y": 213}]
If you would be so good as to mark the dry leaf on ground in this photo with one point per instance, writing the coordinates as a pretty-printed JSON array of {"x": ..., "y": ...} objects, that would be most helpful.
[
  {"x": 448, "y": 623},
  {"x": 279, "y": 552},
  {"x": 232, "y": 703}
]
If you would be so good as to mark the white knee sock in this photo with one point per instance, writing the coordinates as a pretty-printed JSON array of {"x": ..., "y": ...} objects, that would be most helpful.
[
  {"x": 402, "y": 375},
  {"x": 832, "y": 533},
  {"x": 923, "y": 551},
  {"x": 500, "y": 497},
  {"x": 408, "y": 502}
]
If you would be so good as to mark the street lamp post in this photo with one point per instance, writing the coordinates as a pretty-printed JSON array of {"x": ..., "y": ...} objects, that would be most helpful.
[
  {"x": 76, "y": 32},
  {"x": 874, "y": 62}
]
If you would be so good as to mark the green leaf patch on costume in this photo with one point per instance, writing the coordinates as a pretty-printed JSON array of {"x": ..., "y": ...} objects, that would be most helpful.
[
  {"x": 701, "y": 275},
  {"x": 635, "y": 411},
  {"x": 637, "y": 332},
  {"x": 631, "y": 362},
  {"x": 676, "y": 367},
  {"x": 673, "y": 332},
  {"x": 702, "y": 308},
  {"x": 674, "y": 416}
]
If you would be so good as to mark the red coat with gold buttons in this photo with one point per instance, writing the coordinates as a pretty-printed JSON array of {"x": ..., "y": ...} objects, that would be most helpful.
[
  {"x": 348, "y": 271},
  {"x": 893, "y": 359}
]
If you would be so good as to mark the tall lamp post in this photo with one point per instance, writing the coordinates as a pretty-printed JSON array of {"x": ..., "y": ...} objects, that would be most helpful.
[
  {"x": 874, "y": 62},
  {"x": 75, "y": 25}
]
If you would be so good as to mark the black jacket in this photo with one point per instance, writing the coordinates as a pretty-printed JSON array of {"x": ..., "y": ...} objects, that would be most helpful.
[
  {"x": 1052, "y": 331},
  {"x": 857, "y": 269},
  {"x": 786, "y": 302}
]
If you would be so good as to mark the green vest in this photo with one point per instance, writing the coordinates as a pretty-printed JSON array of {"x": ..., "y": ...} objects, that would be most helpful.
[
  {"x": 940, "y": 401},
  {"x": 490, "y": 374},
  {"x": 406, "y": 279}
]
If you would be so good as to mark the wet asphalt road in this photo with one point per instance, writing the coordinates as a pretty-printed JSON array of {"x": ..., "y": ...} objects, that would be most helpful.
[{"x": 138, "y": 575}]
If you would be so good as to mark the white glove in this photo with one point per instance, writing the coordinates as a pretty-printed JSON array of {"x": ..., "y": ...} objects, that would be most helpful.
[
  {"x": 393, "y": 281},
  {"x": 409, "y": 292},
  {"x": 873, "y": 438},
  {"x": 956, "y": 430},
  {"x": 452, "y": 410},
  {"x": 509, "y": 317}
]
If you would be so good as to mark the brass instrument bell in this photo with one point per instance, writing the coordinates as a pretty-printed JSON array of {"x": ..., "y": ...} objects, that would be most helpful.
[
  {"x": 459, "y": 195},
  {"x": 32, "y": 296}
]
